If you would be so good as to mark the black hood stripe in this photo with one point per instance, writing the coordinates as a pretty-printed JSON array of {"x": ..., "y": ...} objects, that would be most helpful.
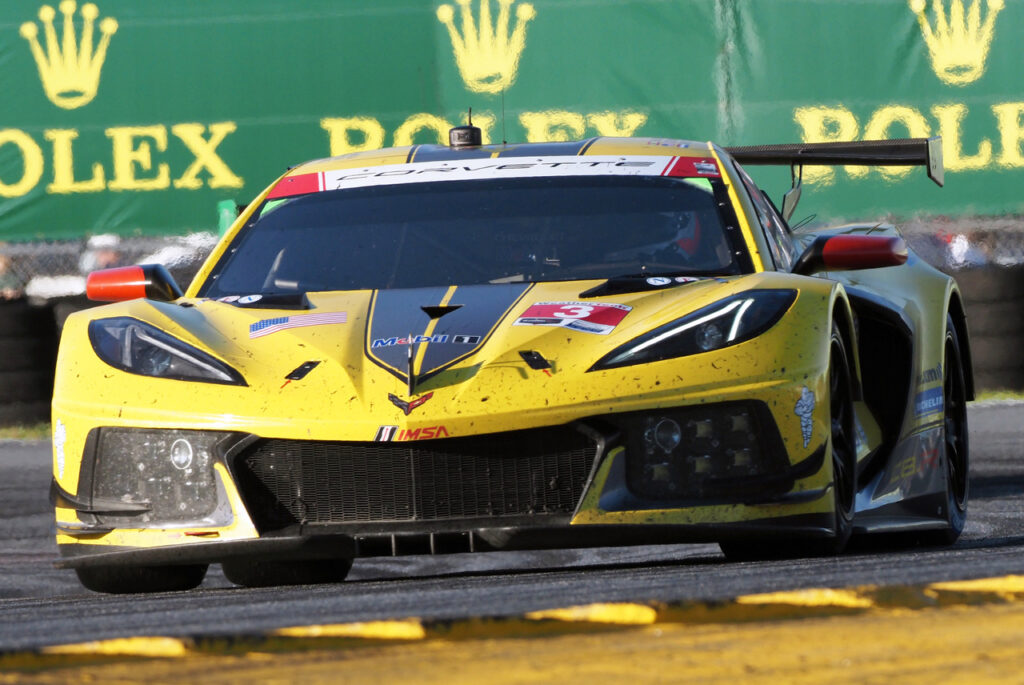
[{"x": 396, "y": 314}]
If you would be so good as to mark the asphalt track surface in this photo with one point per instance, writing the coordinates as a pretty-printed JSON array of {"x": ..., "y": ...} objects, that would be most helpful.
[{"x": 40, "y": 605}]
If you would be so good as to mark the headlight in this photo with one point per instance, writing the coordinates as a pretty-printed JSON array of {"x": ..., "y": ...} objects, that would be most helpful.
[
  {"x": 168, "y": 471},
  {"x": 726, "y": 322},
  {"x": 706, "y": 451},
  {"x": 136, "y": 347}
]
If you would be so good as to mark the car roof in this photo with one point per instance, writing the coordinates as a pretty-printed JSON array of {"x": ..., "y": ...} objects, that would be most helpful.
[
  {"x": 423, "y": 163},
  {"x": 683, "y": 158},
  {"x": 661, "y": 147}
]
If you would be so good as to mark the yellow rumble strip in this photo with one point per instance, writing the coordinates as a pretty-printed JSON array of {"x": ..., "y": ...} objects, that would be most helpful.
[
  {"x": 992, "y": 604},
  {"x": 811, "y": 598},
  {"x": 623, "y": 613},
  {"x": 157, "y": 647},
  {"x": 1009, "y": 587},
  {"x": 408, "y": 629}
]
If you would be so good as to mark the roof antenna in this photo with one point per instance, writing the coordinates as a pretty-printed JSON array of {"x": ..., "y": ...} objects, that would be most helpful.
[{"x": 465, "y": 136}]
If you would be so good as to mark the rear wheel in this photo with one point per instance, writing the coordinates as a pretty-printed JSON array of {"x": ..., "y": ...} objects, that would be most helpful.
[
  {"x": 250, "y": 573},
  {"x": 844, "y": 459},
  {"x": 122, "y": 580},
  {"x": 954, "y": 405}
]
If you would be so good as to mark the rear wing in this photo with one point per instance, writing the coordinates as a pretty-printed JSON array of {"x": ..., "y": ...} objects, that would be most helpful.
[{"x": 925, "y": 152}]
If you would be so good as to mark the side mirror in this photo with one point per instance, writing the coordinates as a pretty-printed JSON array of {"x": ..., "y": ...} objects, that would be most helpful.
[
  {"x": 151, "y": 281},
  {"x": 846, "y": 252}
]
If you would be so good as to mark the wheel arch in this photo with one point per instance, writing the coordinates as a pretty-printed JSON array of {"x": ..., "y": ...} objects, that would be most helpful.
[
  {"x": 842, "y": 315},
  {"x": 957, "y": 312}
]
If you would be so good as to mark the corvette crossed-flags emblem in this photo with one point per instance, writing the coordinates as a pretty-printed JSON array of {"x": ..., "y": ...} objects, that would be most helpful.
[{"x": 407, "y": 407}]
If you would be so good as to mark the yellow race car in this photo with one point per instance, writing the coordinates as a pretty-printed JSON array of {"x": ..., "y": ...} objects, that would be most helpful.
[{"x": 472, "y": 347}]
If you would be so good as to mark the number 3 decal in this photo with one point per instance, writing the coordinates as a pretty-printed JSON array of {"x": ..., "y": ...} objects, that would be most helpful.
[
  {"x": 598, "y": 318},
  {"x": 574, "y": 311}
]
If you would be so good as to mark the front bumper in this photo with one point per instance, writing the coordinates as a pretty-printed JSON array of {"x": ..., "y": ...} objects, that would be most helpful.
[{"x": 576, "y": 485}]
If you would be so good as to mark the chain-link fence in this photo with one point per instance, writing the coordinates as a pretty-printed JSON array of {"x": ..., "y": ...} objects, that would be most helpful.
[{"x": 48, "y": 271}]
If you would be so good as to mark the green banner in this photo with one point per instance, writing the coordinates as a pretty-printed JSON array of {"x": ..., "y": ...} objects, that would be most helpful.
[{"x": 140, "y": 117}]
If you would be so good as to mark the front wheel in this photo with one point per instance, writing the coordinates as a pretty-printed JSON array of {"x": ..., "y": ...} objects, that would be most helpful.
[
  {"x": 122, "y": 580},
  {"x": 251, "y": 573},
  {"x": 844, "y": 460},
  {"x": 844, "y": 448}
]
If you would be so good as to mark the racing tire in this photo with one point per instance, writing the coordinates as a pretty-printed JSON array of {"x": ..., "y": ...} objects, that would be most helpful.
[
  {"x": 844, "y": 486},
  {"x": 844, "y": 445},
  {"x": 957, "y": 452},
  {"x": 248, "y": 573},
  {"x": 126, "y": 580}
]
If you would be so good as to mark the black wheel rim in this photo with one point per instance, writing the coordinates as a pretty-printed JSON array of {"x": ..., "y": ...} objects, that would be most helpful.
[
  {"x": 955, "y": 400},
  {"x": 841, "y": 412}
]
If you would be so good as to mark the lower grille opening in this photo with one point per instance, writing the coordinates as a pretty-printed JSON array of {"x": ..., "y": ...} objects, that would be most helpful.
[{"x": 522, "y": 473}]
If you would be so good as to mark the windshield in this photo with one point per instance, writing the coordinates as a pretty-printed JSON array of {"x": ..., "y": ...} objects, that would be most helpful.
[{"x": 473, "y": 232}]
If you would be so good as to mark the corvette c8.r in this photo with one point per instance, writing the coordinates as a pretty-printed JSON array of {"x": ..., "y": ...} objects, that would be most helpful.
[{"x": 474, "y": 347}]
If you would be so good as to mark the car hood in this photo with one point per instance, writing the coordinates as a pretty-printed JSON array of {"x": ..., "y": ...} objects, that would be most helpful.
[
  {"x": 471, "y": 358},
  {"x": 417, "y": 335}
]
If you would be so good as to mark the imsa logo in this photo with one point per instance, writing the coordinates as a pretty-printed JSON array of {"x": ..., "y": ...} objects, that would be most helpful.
[{"x": 395, "y": 434}]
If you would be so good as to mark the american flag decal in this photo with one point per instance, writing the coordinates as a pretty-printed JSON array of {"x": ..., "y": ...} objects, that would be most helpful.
[{"x": 280, "y": 323}]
